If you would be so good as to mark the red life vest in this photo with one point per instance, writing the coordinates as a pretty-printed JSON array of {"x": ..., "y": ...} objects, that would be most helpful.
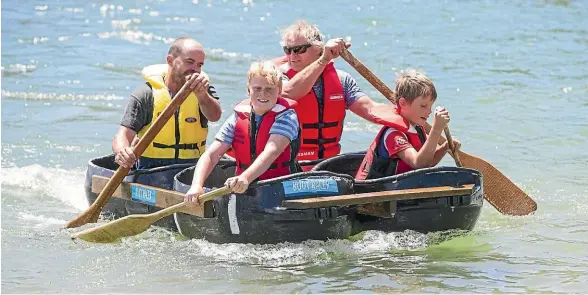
[
  {"x": 321, "y": 122},
  {"x": 249, "y": 142},
  {"x": 377, "y": 162}
]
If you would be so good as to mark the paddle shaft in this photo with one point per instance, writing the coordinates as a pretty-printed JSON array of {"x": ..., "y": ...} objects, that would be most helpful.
[
  {"x": 201, "y": 200},
  {"x": 91, "y": 214},
  {"x": 452, "y": 147}
]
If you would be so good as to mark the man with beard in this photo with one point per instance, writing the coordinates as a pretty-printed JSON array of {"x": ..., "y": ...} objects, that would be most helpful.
[{"x": 183, "y": 138}]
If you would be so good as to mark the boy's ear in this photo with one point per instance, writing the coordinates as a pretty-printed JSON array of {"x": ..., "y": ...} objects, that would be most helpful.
[
  {"x": 402, "y": 102},
  {"x": 169, "y": 59}
]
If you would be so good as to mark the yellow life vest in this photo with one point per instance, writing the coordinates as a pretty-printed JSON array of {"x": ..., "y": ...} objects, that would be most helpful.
[{"x": 183, "y": 136}]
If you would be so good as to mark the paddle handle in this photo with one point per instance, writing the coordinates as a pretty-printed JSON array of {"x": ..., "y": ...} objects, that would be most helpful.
[
  {"x": 369, "y": 75},
  {"x": 452, "y": 147},
  {"x": 91, "y": 214},
  {"x": 201, "y": 199}
]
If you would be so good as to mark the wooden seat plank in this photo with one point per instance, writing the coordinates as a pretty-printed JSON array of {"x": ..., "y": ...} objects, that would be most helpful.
[
  {"x": 379, "y": 197},
  {"x": 163, "y": 198}
]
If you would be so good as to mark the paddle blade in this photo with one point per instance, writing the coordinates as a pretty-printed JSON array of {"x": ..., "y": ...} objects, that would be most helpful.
[
  {"x": 499, "y": 191},
  {"x": 110, "y": 232}
]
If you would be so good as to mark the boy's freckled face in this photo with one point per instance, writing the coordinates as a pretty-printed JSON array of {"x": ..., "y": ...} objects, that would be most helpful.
[
  {"x": 263, "y": 94},
  {"x": 418, "y": 111}
]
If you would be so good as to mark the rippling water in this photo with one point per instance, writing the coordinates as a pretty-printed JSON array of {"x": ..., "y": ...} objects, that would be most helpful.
[{"x": 512, "y": 73}]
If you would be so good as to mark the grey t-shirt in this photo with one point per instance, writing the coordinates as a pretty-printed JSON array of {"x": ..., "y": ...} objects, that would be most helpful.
[
  {"x": 139, "y": 110},
  {"x": 351, "y": 90}
]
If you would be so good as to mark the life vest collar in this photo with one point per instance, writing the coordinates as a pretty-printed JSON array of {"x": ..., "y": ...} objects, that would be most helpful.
[
  {"x": 154, "y": 74},
  {"x": 246, "y": 107},
  {"x": 389, "y": 115}
]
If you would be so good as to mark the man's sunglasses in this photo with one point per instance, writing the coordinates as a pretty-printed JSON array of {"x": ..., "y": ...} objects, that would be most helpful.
[{"x": 298, "y": 49}]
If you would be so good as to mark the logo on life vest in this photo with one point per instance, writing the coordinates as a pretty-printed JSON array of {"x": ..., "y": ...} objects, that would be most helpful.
[
  {"x": 191, "y": 120},
  {"x": 401, "y": 141},
  {"x": 336, "y": 97},
  {"x": 310, "y": 153}
]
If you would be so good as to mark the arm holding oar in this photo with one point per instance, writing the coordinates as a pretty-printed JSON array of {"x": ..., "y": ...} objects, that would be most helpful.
[
  {"x": 310, "y": 76},
  {"x": 499, "y": 191},
  {"x": 135, "y": 224},
  {"x": 148, "y": 111},
  {"x": 402, "y": 145},
  {"x": 91, "y": 214}
]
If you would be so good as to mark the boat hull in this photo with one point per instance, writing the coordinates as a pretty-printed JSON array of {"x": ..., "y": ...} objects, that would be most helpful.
[
  {"x": 257, "y": 217},
  {"x": 261, "y": 216},
  {"x": 423, "y": 215},
  {"x": 161, "y": 177}
]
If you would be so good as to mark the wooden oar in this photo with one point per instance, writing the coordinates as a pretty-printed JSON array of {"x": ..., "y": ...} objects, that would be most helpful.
[
  {"x": 452, "y": 148},
  {"x": 91, "y": 214},
  {"x": 135, "y": 224},
  {"x": 499, "y": 191}
]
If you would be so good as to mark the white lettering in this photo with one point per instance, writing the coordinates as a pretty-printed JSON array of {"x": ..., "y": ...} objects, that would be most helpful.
[
  {"x": 310, "y": 185},
  {"x": 145, "y": 195},
  {"x": 310, "y": 153}
]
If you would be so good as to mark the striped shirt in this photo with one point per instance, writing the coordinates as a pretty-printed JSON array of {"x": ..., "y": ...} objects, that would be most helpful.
[{"x": 286, "y": 124}]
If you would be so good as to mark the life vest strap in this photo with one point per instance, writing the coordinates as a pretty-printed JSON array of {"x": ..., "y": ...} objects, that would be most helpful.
[
  {"x": 272, "y": 166},
  {"x": 319, "y": 140},
  {"x": 319, "y": 125},
  {"x": 181, "y": 146}
]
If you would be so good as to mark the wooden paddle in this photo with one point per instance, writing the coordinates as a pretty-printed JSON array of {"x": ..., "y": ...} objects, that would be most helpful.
[
  {"x": 137, "y": 223},
  {"x": 91, "y": 214},
  {"x": 499, "y": 191},
  {"x": 452, "y": 148}
]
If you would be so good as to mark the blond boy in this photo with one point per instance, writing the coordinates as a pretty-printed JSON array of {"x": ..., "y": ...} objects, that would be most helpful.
[{"x": 263, "y": 133}]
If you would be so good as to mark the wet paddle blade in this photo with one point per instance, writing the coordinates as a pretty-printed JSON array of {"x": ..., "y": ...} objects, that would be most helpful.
[
  {"x": 135, "y": 224},
  {"x": 110, "y": 232},
  {"x": 499, "y": 191}
]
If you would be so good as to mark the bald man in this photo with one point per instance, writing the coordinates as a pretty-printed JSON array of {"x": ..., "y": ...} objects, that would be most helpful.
[{"x": 183, "y": 139}]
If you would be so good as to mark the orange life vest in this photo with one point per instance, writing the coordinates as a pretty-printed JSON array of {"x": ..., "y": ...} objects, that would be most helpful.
[
  {"x": 249, "y": 141},
  {"x": 321, "y": 121},
  {"x": 377, "y": 162}
]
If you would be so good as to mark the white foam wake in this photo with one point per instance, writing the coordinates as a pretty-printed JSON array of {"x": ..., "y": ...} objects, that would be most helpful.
[
  {"x": 41, "y": 220},
  {"x": 65, "y": 185}
]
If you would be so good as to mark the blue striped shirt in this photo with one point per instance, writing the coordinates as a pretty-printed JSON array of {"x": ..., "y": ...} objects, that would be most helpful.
[{"x": 286, "y": 124}]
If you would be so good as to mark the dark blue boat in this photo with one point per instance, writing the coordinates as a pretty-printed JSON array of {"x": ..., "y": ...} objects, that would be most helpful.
[
  {"x": 263, "y": 214},
  {"x": 423, "y": 215},
  {"x": 161, "y": 177},
  {"x": 257, "y": 215}
]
